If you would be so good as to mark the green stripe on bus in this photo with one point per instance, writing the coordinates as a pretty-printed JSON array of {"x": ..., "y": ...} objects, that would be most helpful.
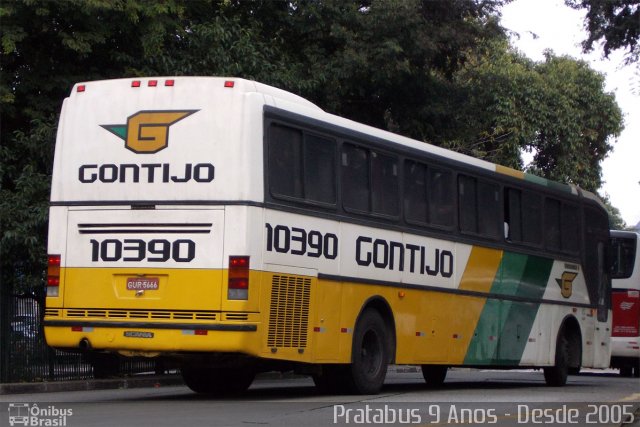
[
  {"x": 547, "y": 183},
  {"x": 504, "y": 326}
]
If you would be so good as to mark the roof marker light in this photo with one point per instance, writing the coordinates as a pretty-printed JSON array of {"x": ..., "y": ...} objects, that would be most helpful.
[
  {"x": 135, "y": 83},
  {"x": 153, "y": 83},
  {"x": 169, "y": 82},
  {"x": 80, "y": 88},
  {"x": 229, "y": 83}
]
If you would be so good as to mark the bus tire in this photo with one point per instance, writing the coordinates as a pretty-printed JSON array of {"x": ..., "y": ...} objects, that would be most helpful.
[
  {"x": 217, "y": 381},
  {"x": 105, "y": 365},
  {"x": 434, "y": 375},
  {"x": 370, "y": 354},
  {"x": 332, "y": 379},
  {"x": 556, "y": 375},
  {"x": 626, "y": 371}
]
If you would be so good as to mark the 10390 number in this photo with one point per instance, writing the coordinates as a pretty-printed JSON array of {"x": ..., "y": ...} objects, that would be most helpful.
[
  {"x": 298, "y": 241},
  {"x": 133, "y": 250}
]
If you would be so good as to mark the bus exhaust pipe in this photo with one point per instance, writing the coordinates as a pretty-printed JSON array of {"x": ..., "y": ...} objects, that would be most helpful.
[{"x": 84, "y": 344}]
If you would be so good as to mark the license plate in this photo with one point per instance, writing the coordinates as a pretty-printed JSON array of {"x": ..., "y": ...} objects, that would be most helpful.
[
  {"x": 138, "y": 334},
  {"x": 143, "y": 283}
]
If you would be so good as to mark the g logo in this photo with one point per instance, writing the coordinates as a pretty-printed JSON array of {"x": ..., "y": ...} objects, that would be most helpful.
[
  {"x": 147, "y": 132},
  {"x": 566, "y": 283}
]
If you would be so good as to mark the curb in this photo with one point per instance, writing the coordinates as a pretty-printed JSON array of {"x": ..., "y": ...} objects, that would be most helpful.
[{"x": 142, "y": 381}]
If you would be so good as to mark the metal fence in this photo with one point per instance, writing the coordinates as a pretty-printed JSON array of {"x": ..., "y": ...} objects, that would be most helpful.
[{"x": 25, "y": 356}]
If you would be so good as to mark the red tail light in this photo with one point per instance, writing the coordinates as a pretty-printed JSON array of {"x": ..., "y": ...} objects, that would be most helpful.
[
  {"x": 53, "y": 275},
  {"x": 238, "y": 285}
]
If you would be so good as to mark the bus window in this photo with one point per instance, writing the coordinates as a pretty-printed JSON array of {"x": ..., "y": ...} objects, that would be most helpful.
[
  {"x": 569, "y": 229},
  {"x": 513, "y": 215},
  {"x": 531, "y": 218},
  {"x": 488, "y": 209},
  {"x": 384, "y": 177},
  {"x": 467, "y": 204},
  {"x": 623, "y": 257},
  {"x": 319, "y": 169},
  {"x": 552, "y": 224},
  {"x": 415, "y": 192},
  {"x": 355, "y": 178},
  {"x": 440, "y": 197},
  {"x": 285, "y": 152},
  {"x": 479, "y": 207}
]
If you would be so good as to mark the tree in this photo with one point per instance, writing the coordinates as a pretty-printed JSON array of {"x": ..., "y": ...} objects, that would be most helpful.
[
  {"x": 615, "y": 219},
  {"x": 615, "y": 21},
  {"x": 579, "y": 120},
  {"x": 437, "y": 71}
]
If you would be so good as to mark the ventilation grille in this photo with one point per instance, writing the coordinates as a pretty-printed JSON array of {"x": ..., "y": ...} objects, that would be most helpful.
[
  {"x": 289, "y": 312},
  {"x": 141, "y": 314}
]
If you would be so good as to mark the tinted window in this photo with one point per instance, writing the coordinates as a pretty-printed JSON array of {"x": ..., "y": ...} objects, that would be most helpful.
[
  {"x": 355, "y": 178},
  {"x": 552, "y": 224},
  {"x": 570, "y": 229},
  {"x": 440, "y": 195},
  {"x": 467, "y": 213},
  {"x": 384, "y": 179},
  {"x": 319, "y": 169},
  {"x": 531, "y": 218},
  {"x": 285, "y": 165},
  {"x": 415, "y": 192},
  {"x": 623, "y": 254},
  {"x": 513, "y": 215},
  {"x": 488, "y": 209}
]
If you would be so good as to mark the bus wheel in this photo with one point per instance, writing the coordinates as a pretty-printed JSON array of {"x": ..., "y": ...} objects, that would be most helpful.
[
  {"x": 217, "y": 381},
  {"x": 370, "y": 354},
  {"x": 332, "y": 379},
  {"x": 626, "y": 371},
  {"x": 105, "y": 365},
  {"x": 556, "y": 376},
  {"x": 434, "y": 375}
]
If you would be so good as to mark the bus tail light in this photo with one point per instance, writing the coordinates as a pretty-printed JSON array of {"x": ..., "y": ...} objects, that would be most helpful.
[
  {"x": 238, "y": 285},
  {"x": 53, "y": 275}
]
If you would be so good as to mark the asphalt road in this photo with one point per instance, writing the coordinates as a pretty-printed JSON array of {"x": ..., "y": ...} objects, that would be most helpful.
[{"x": 468, "y": 397}]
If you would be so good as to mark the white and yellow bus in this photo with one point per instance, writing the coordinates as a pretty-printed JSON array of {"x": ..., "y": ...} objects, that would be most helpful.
[{"x": 237, "y": 228}]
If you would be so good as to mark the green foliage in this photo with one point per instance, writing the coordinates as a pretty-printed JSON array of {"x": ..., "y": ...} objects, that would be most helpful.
[
  {"x": 574, "y": 132},
  {"x": 437, "y": 71},
  {"x": 615, "y": 21},
  {"x": 615, "y": 219}
]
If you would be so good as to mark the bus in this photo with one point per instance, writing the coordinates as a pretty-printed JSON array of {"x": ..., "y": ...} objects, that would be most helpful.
[
  {"x": 234, "y": 228},
  {"x": 625, "y": 302}
]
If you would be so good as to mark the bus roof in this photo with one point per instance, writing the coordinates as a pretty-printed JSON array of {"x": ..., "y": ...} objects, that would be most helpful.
[{"x": 297, "y": 104}]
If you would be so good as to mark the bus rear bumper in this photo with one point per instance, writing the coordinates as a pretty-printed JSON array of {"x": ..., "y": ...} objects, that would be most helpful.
[
  {"x": 152, "y": 336},
  {"x": 628, "y": 347}
]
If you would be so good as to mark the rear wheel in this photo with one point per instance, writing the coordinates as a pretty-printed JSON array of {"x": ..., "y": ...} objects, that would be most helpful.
[
  {"x": 332, "y": 379},
  {"x": 556, "y": 376},
  {"x": 434, "y": 375},
  {"x": 217, "y": 381},
  {"x": 370, "y": 354},
  {"x": 626, "y": 371},
  {"x": 105, "y": 365}
]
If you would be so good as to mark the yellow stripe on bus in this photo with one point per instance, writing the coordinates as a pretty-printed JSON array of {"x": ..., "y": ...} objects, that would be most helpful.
[{"x": 478, "y": 276}]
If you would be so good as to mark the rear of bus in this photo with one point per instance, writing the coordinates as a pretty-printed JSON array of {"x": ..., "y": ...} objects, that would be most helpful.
[
  {"x": 625, "y": 302},
  {"x": 155, "y": 221}
]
